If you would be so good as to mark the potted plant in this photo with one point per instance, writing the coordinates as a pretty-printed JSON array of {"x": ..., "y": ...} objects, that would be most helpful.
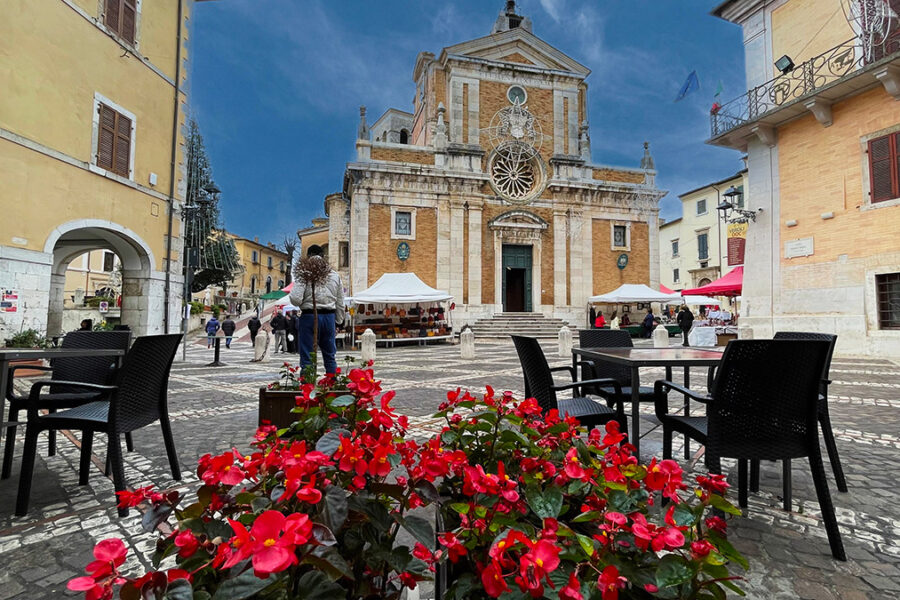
[
  {"x": 28, "y": 338},
  {"x": 278, "y": 399}
]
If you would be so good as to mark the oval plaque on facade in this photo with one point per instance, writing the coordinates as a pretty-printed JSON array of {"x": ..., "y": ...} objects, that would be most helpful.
[
  {"x": 622, "y": 261},
  {"x": 402, "y": 250}
]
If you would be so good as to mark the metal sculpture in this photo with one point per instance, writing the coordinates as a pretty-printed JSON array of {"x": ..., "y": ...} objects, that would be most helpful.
[
  {"x": 516, "y": 137},
  {"x": 874, "y": 20}
]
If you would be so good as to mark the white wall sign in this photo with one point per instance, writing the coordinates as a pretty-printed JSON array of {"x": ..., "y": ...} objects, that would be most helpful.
[{"x": 798, "y": 247}]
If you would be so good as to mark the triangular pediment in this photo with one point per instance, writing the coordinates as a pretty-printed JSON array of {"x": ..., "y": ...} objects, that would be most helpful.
[
  {"x": 518, "y": 219},
  {"x": 517, "y": 46}
]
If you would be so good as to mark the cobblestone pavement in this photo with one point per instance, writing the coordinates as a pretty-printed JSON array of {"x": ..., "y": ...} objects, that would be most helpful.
[{"x": 214, "y": 408}]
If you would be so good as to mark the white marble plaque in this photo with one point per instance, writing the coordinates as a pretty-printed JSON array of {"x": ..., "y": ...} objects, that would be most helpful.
[{"x": 799, "y": 247}]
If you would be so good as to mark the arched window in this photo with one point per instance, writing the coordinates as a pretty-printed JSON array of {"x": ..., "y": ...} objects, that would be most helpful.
[
  {"x": 269, "y": 262},
  {"x": 268, "y": 284},
  {"x": 404, "y": 136},
  {"x": 280, "y": 283},
  {"x": 253, "y": 284}
]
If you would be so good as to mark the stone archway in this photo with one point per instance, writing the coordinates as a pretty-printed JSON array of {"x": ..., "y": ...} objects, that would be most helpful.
[
  {"x": 518, "y": 228},
  {"x": 143, "y": 287}
]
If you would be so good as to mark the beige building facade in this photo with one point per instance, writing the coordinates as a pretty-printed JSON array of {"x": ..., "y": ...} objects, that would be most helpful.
[
  {"x": 264, "y": 268},
  {"x": 494, "y": 196},
  {"x": 91, "y": 117}
]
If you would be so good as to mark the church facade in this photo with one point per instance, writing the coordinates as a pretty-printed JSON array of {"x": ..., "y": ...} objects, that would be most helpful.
[{"x": 486, "y": 188}]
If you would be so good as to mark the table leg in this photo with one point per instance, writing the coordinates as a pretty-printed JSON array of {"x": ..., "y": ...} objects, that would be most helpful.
[
  {"x": 687, "y": 412},
  {"x": 636, "y": 411},
  {"x": 4, "y": 381}
]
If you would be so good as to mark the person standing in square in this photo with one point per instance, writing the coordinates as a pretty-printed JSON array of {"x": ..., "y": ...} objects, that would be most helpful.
[
  {"x": 279, "y": 328},
  {"x": 330, "y": 308}
]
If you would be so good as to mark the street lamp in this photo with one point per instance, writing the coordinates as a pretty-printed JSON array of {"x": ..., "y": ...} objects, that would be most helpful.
[{"x": 730, "y": 206}]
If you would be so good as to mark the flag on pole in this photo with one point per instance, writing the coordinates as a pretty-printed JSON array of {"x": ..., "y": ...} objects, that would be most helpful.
[
  {"x": 719, "y": 89},
  {"x": 691, "y": 85}
]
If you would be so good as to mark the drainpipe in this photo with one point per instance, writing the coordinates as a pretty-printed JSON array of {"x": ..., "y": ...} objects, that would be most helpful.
[{"x": 174, "y": 166}]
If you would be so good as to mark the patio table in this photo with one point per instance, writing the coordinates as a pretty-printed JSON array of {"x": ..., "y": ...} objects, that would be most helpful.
[
  {"x": 635, "y": 358},
  {"x": 8, "y": 355}
]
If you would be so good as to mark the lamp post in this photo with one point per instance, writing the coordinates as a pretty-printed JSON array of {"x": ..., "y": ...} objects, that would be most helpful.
[{"x": 729, "y": 209}]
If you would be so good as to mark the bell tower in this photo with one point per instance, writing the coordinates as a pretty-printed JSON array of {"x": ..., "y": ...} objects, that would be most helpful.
[{"x": 508, "y": 19}]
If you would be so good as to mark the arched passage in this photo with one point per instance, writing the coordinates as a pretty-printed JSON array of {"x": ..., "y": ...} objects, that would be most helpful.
[{"x": 143, "y": 288}]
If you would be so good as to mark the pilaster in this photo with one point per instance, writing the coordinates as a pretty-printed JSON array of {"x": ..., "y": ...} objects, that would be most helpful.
[
  {"x": 443, "y": 250},
  {"x": 475, "y": 255},
  {"x": 457, "y": 222},
  {"x": 559, "y": 257},
  {"x": 359, "y": 236}
]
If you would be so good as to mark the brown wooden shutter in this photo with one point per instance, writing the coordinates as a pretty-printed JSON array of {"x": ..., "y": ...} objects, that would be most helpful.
[
  {"x": 106, "y": 140},
  {"x": 113, "y": 14},
  {"x": 129, "y": 17},
  {"x": 882, "y": 169},
  {"x": 123, "y": 145}
]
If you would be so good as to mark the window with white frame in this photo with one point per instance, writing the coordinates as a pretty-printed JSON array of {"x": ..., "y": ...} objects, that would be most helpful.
[
  {"x": 403, "y": 223},
  {"x": 674, "y": 248},
  {"x": 620, "y": 236},
  {"x": 701, "y": 207},
  {"x": 676, "y": 276},
  {"x": 703, "y": 246},
  {"x": 113, "y": 137}
]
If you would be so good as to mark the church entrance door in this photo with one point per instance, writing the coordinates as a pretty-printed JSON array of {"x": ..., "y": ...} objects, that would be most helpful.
[{"x": 517, "y": 265}]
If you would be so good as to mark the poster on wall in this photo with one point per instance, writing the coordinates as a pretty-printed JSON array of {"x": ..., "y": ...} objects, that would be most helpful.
[
  {"x": 737, "y": 241},
  {"x": 9, "y": 301}
]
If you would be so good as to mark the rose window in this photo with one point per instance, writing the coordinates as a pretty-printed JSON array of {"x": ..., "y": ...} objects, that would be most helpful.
[{"x": 514, "y": 179}]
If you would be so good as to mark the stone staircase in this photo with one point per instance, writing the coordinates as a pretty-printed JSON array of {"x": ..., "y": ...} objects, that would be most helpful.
[{"x": 502, "y": 325}]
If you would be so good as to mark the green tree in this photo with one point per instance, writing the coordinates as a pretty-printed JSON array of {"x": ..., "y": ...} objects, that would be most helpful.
[{"x": 218, "y": 259}]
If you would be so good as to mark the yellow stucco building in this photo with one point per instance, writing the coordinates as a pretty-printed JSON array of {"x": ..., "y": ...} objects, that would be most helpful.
[
  {"x": 820, "y": 124},
  {"x": 91, "y": 118},
  {"x": 265, "y": 267}
]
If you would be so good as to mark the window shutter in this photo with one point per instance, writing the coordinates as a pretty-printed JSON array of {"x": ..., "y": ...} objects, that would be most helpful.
[
  {"x": 113, "y": 14},
  {"x": 129, "y": 17},
  {"x": 123, "y": 145},
  {"x": 882, "y": 169},
  {"x": 106, "y": 140}
]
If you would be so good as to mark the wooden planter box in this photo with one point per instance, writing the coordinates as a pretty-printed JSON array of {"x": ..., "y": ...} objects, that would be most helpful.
[
  {"x": 275, "y": 406},
  {"x": 36, "y": 362}
]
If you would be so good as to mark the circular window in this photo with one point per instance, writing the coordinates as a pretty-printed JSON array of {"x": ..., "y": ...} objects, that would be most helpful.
[
  {"x": 516, "y": 95},
  {"x": 516, "y": 179}
]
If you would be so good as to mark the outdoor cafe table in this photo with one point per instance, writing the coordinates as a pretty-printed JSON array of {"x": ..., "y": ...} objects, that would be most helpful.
[
  {"x": 10, "y": 354},
  {"x": 635, "y": 358}
]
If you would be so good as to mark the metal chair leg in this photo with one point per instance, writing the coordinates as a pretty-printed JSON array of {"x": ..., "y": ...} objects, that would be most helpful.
[
  {"x": 667, "y": 442},
  {"x": 129, "y": 442},
  {"x": 754, "y": 475},
  {"x": 170, "y": 446},
  {"x": 824, "y": 497},
  {"x": 787, "y": 484},
  {"x": 831, "y": 446},
  {"x": 10, "y": 447},
  {"x": 84, "y": 463},
  {"x": 25, "y": 475},
  {"x": 118, "y": 468}
]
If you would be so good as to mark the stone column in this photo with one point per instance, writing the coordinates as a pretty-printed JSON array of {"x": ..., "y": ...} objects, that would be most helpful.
[
  {"x": 577, "y": 264},
  {"x": 443, "y": 247},
  {"x": 474, "y": 128},
  {"x": 565, "y": 342},
  {"x": 498, "y": 270},
  {"x": 536, "y": 281},
  {"x": 456, "y": 249},
  {"x": 467, "y": 344},
  {"x": 55, "y": 312},
  {"x": 587, "y": 257},
  {"x": 560, "y": 233},
  {"x": 359, "y": 240},
  {"x": 475, "y": 255},
  {"x": 367, "y": 345}
]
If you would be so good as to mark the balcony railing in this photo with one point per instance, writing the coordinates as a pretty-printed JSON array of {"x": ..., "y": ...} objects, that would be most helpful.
[{"x": 802, "y": 81}]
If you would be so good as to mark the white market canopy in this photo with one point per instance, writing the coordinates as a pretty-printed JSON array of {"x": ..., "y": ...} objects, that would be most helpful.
[
  {"x": 699, "y": 301},
  {"x": 634, "y": 292},
  {"x": 400, "y": 288}
]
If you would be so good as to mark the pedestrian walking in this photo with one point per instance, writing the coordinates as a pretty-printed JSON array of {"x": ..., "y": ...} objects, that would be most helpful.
[
  {"x": 254, "y": 324},
  {"x": 685, "y": 320},
  {"x": 592, "y": 318},
  {"x": 599, "y": 321},
  {"x": 330, "y": 307},
  {"x": 279, "y": 328},
  {"x": 212, "y": 327},
  {"x": 647, "y": 324},
  {"x": 228, "y": 328}
]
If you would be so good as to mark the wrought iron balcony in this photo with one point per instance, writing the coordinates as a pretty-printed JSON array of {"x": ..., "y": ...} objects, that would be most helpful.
[{"x": 803, "y": 81}]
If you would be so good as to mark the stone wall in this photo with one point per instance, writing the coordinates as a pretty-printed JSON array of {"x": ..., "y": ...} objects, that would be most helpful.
[
  {"x": 398, "y": 155},
  {"x": 606, "y": 274},
  {"x": 383, "y": 250},
  {"x": 617, "y": 175},
  {"x": 492, "y": 98}
]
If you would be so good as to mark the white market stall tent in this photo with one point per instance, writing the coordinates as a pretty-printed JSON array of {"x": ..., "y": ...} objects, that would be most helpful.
[
  {"x": 402, "y": 307},
  {"x": 634, "y": 292}
]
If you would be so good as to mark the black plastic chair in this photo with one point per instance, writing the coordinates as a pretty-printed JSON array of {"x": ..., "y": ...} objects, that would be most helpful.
[
  {"x": 763, "y": 406},
  {"x": 99, "y": 370},
  {"x": 597, "y": 369},
  {"x": 138, "y": 398},
  {"x": 824, "y": 421},
  {"x": 539, "y": 385}
]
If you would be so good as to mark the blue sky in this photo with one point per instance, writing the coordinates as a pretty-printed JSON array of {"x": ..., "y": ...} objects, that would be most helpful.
[{"x": 276, "y": 87}]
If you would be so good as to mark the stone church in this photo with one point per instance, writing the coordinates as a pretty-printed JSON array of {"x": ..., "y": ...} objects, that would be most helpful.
[{"x": 486, "y": 189}]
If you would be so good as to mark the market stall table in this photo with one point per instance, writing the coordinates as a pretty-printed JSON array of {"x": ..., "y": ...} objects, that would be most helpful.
[
  {"x": 8, "y": 355},
  {"x": 635, "y": 358}
]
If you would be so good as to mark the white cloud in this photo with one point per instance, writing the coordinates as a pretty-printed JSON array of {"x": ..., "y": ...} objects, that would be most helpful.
[{"x": 554, "y": 8}]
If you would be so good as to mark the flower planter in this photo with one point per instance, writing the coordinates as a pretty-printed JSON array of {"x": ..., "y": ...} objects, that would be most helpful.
[
  {"x": 35, "y": 362},
  {"x": 275, "y": 406}
]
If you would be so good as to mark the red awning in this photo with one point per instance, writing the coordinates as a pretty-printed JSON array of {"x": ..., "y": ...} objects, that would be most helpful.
[
  {"x": 288, "y": 287},
  {"x": 728, "y": 285},
  {"x": 665, "y": 290}
]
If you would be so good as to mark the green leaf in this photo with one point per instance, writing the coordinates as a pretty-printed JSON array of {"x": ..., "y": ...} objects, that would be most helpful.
[
  {"x": 545, "y": 504},
  {"x": 331, "y": 441},
  {"x": 154, "y": 516},
  {"x": 323, "y": 535},
  {"x": 420, "y": 529},
  {"x": 245, "y": 585},
  {"x": 315, "y": 585},
  {"x": 586, "y": 543},
  {"x": 345, "y": 400},
  {"x": 460, "y": 507},
  {"x": 727, "y": 550},
  {"x": 724, "y": 505},
  {"x": 585, "y": 517},
  {"x": 673, "y": 570},
  {"x": 683, "y": 515},
  {"x": 261, "y": 503},
  {"x": 426, "y": 490},
  {"x": 330, "y": 562},
  {"x": 180, "y": 589},
  {"x": 335, "y": 507}
]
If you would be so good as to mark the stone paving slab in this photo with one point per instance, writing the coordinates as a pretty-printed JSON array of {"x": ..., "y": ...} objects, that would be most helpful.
[{"x": 213, "y": 408}]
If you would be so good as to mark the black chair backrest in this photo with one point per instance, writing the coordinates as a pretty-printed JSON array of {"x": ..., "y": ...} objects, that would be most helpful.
[
  {"x": 808, "y": 335},
  {"x": 89, "y": 369},
  {"x": 765, "y": 400},
  {"x": 143, "y": 382},
  {"x": 538, "y": 378},
  {"x": 606, "y": 338}
]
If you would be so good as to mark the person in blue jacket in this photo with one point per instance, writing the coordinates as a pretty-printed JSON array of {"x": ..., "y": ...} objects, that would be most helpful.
[{"x": 212, "y": 327}]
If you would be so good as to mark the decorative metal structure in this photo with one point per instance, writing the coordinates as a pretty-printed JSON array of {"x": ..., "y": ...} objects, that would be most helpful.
[
  {"x": 804, "y": 79},
  {"x": 515, "y": 166},
  {"x": 728, "y": 206},
  {"x": 873, "y": 19}
]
